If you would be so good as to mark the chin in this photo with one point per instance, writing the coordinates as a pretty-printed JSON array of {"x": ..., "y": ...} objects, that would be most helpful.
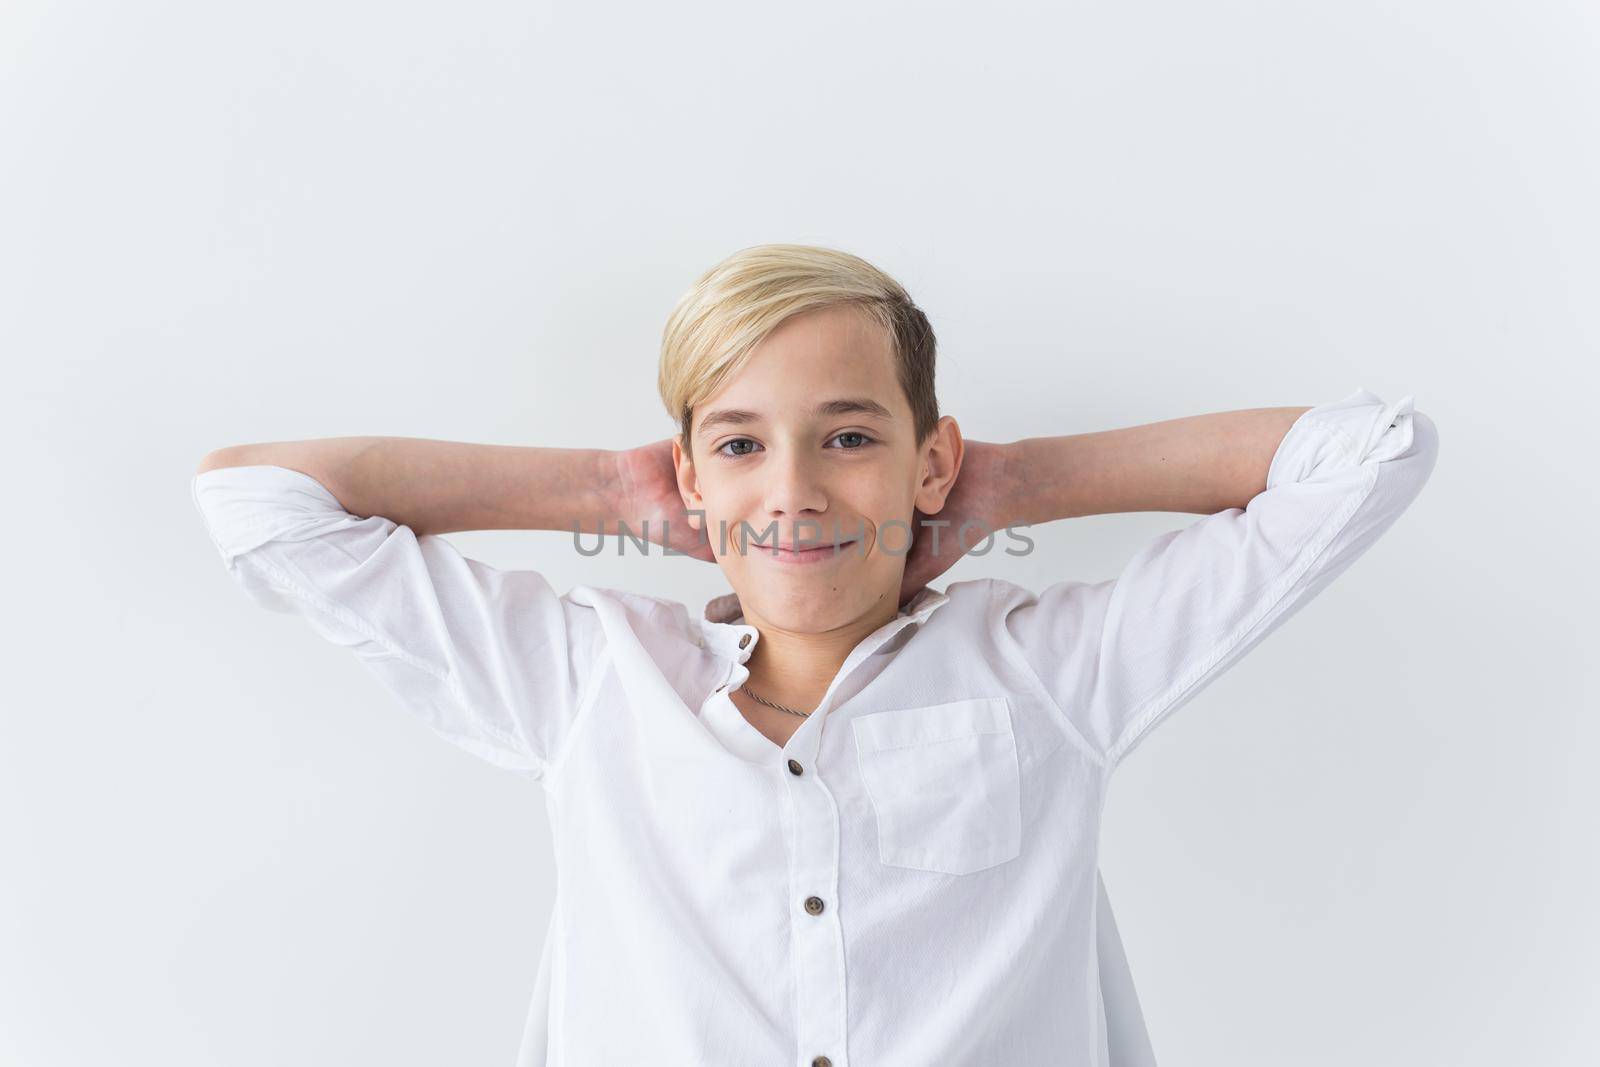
[{"x": 813, "y": 610}]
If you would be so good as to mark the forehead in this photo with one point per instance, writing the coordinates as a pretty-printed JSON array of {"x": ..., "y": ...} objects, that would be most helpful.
[{"x": 820, "y": 355}]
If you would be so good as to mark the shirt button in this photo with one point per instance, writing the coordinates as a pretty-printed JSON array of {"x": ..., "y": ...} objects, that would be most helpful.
[
  {"x": 821, "y": 1061},
  {"x": 814, "y": 905},
  {"x": 794, "y": 768},
  {"x": 744, "y": 641}
]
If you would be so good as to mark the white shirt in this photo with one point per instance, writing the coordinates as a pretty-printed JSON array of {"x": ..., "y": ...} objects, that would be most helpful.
[{"x": 913, "y": 878}]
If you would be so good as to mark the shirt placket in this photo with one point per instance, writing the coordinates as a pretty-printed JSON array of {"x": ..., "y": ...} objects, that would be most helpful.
[
  {"x": 816, "y": 927},
  {"x": 815, "y": 931}
]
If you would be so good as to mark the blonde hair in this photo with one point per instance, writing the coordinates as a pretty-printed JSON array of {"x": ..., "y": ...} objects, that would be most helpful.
[{"x": 733, "y": 306}]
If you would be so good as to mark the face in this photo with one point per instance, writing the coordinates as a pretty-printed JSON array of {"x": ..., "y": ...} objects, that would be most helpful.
[{"x": 811, "y": 442}]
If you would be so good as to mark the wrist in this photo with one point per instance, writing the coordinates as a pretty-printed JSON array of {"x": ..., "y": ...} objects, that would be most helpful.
[
  {"x": 610, "y": 499},
  {"x": 1014, "y": 484}
]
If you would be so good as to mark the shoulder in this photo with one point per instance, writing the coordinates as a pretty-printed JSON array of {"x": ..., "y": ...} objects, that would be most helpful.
[
  {"x": 979, "y": 603},
  {"x": 641, "y": 612},
  {"x": 1007, "y": 608},
  {"x": 986, "y": 594}
]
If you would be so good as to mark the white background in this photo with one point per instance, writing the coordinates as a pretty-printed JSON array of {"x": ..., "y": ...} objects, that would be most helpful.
[{"x": 225, "y": 223}]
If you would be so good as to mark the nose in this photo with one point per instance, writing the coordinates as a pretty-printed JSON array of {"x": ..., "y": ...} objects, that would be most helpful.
[{"x": 794, "y": 492}]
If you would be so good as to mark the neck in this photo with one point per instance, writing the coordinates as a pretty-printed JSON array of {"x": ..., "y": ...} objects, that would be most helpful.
[{"x": 795, "y": 669}]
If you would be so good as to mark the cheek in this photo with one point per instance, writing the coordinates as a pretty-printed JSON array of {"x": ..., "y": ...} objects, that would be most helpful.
[
  {"x": 718, "y": 511},
  {"x": 882, "y": 504},
  {"x": 891, "y": 522}
]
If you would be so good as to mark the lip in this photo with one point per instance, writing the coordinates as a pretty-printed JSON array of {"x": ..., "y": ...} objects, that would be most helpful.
[{"x": 805, "y": 556}]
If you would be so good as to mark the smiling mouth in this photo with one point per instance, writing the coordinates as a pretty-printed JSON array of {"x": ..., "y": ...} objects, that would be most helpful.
[{"x": 806, "y": 553}]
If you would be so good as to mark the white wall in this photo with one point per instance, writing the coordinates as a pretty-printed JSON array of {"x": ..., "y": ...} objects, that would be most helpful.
[{"x": 223, "y": 223}]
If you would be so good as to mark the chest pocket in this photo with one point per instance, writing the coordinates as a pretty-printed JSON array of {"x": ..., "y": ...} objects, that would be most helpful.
[{"x": 944, "y": 783}]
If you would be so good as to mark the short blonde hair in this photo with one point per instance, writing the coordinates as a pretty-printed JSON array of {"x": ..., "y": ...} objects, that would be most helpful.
[{"x": 733, "y": 306}]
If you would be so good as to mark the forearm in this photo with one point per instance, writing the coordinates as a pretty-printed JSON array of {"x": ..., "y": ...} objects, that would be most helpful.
[
  {"x": 444, "y": 486},
  {"x": 1199, "y": 463}
]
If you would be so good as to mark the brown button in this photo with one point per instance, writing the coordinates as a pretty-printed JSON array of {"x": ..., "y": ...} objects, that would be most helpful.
[
  {"x": 744, "y": 641},
  {"x": 794, "y": 768},
  {"x": 814, "y": 905},
  {"x": 821, "y": 1061}
]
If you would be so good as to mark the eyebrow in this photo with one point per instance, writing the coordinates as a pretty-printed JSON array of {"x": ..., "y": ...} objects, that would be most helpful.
[{"x": 861, "y": 405}]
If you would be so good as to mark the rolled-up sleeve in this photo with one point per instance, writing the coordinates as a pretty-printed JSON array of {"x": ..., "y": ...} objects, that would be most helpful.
[
  {"x": 494, "y": 661},
  {"x": 1120, "y": 655}
]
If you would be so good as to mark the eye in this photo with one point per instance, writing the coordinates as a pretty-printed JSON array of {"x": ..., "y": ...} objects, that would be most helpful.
[
  {"x": 735, "y": 441},
  {"x": 857, "y": 441}
]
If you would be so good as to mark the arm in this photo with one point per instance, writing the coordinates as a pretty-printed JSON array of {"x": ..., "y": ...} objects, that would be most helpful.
[
  {"x": 1120, "y": 655},
  {"x": 1201, "y": 464},
  {"x": 492, "y": 660},
  {"x": 342, "y": 532},
  {"x": 439, "y": 487}
]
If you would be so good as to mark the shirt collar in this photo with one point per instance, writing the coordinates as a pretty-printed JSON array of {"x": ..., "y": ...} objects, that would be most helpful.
[{"x": 737, "y": 640}]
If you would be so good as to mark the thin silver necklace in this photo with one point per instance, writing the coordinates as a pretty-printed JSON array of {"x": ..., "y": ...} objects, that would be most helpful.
[{"x": 761, "y": 700}]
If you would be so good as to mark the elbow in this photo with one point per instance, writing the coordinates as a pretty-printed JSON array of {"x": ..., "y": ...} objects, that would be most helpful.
[
  {"x": 1406, "y": 474},
  {"x": 1424, "y": 442}
]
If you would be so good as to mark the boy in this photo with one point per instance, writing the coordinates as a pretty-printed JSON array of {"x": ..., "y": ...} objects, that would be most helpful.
[{"x": 845, "y": 817}]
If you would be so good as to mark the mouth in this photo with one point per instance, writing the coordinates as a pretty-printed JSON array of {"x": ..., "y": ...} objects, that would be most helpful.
[{"x": 801, "y": 555}]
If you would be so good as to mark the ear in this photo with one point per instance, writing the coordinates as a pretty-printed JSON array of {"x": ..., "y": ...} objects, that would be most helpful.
[
  {"x": 940, "y": 465},
  {"x": 688, "y": 482}
]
